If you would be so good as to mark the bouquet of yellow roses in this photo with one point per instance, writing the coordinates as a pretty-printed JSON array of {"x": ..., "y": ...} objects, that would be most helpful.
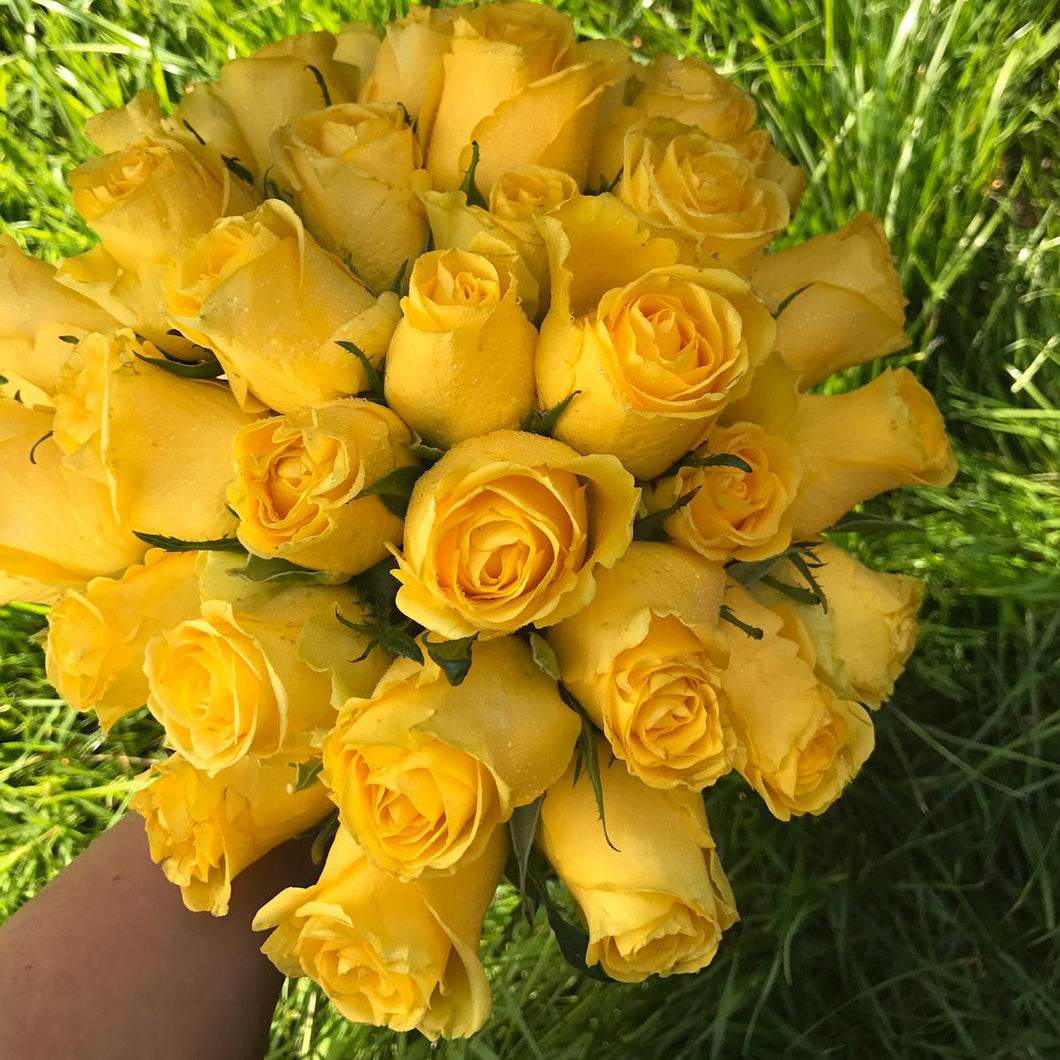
[{"x": 428, "y": 442}]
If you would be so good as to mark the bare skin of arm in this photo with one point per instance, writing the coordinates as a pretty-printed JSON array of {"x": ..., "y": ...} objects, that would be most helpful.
[{"x": 107, "y": 964}]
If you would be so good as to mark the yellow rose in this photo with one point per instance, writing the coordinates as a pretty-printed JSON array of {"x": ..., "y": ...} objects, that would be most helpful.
[
  {"x": 14, "y": 590},
  {"x": 272, "y": 87},
  {"x": 644, "y": 659},
  {"x": 509, "y": 529},
  {"x": 675, "y": 175},
  {"x": 39, "y": 536},
  {"x": 865, "y": 637},
  {"x": 461, "y": 362},
  {"x": 847, "y": 307},
  {"x": 514, "y": 82},
  {"x": 205, "y": 830},
  {"x": 357, "y": 44},
  {"x": 149, "y": 198},
  {"x": 162, "y": 445},
  {"x": 297, "y": 478},
  {"x": 803, "y": 743},
  {"x": 424, "y": 771},
  {"x": 394, "y": 953},
  {"x": 769, "y": 164},
  {"x": 734, "y": 514},
  {"x": 131, "y": 297},
  {"x": 273, "y": 305},
  {"x": 653, "y": 361},
  {"x": 408, "y": 67},
  {"x": 251, "y": 674},
  {"x": 203, "y": 113},
  {"x": 111, "y": 130},
  {"x": 34, "y": 311},
  {"x": 853, "y": 446},
  {"x": 692, "y": 92},
  {"x": 506, "y": 233},
  {"x": 658, "y": 902},
  {"x": 94, "y": 653},
  {"x": 354, "y": 170}
]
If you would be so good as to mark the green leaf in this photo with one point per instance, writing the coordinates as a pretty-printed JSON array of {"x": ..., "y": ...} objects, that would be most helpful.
[
  {"x": 543, "y": 421},
  {"x": 587, "y": 759},
  {"x": 272, "y": 189},
  {"x": 650, "y": 527},
  {"x": 795, "y": 592},
  {"x": 791, "y": 298},
  {"x": 864, "y": 523},
  {"x": 382, "y": 634},
  {"x": 307, "y": 774},
  {"x": 175, "y": 544},
  {"x": 468, "y": 185},
  {"x": 373, "y": 374},
  {"x": 191, "y": 129},
  {"x": 72, "y": 339},
  {"x": 397, "y": 284},
  {"x": 321, "y": 83},
  {"x": 606, "y": 187},
  {"x": 453, "y": 656},
  {"x": 748, "y": 572},
  {"x": 522, "y": 827},
  {"x": 394, "y": 489},
  {"x": 33, "y": 448},
  {"x": 377, "y": 588},
  {"x": 237, "y": 169},
  {"x": 803, "y": 565},
  {"x": 208, "y": 369},
  {"x": 726, "y": 615},
  {"x": 544, "y": 656},
  {"x": 273, "y": 569},
  {"x": 325, "y": 833},
  {"x": 572, "y": 940},
  {"x": 428, "y": 454},
  {"x": 714, "y": 460}
]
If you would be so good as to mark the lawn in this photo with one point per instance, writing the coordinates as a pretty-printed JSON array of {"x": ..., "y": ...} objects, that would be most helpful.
[{"x": 919, "y": 917}]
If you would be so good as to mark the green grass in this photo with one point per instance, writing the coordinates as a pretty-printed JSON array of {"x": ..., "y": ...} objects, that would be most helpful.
[{"x": 918, "y": 917}]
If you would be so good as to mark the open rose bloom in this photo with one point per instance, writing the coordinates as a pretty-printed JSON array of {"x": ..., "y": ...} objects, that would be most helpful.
[{"x": 433, "y": 444}]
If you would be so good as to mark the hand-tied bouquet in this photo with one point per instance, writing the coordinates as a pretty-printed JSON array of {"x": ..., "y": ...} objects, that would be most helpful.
[{"x": 449, "y": 380}]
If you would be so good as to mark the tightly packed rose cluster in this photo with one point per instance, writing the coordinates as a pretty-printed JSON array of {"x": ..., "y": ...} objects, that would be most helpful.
[{"x": 427, "y": 441}]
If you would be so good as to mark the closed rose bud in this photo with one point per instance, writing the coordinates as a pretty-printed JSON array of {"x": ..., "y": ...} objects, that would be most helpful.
[
  {"x": 112, "y": 130},
  {"x": 272, "y": 87},
  {"x": 273, "y": 305},
  {"x": 675, "y": 175},
  {"x": 160, "y": 444},
  {"x": 133, "y": 298},
  {"x": 514, "y": 82},
  {"x": 148, "y": 199},
  {"x": 94, "y": 653},
  {"x": 297, "y": 480},
  {"x": 644, "y": 658},
  {"x": 844, "y": 299},
  {"x": 868, "y": 631},
  {"x": 38, "y": 537},
  {"x": 205, "y": 830},
  {"x": 733, "y": 514},
  {"x": 461, "y": 362},
  {"x": 393, "y": 953},
  {"x": 34, "y": 312},
  {"x": 652, "y": 362},
  {"x": 509, "y": 529},
  {"x": 409, "y": 60},
  {"x": 354, "y": 170},
  {"x": 657, "y": 901},
  {"x": 252, "y": 674},
  {"x": 802, "y": 743},
  {"x": 854, "y": 446},
  {"x": 357, "y": 44},
  {"x": 424, "y": 771}
]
